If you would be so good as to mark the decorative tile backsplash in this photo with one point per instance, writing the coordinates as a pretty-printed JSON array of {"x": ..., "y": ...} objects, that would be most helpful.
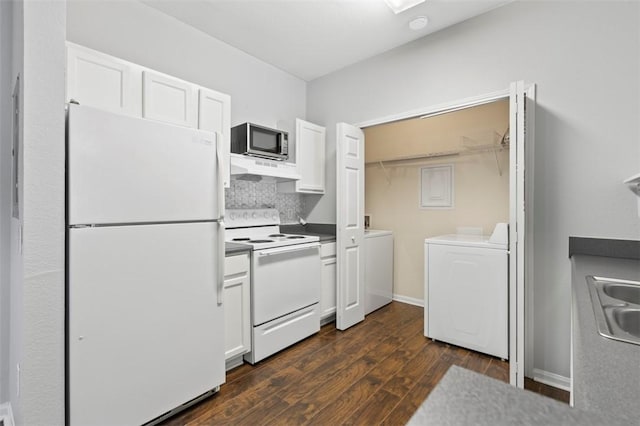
[{"x": 244, "y": 194}]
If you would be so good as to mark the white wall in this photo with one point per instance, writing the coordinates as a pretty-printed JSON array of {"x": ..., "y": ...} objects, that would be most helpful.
[
  {"x": 584, "y": 57},
  {"x": 132, "y": 31},
  {"x": 36, "y": 321},
  {"x": 6, "y": 72}
]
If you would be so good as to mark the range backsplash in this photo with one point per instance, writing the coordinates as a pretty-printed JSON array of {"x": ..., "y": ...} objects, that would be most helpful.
[{"x": 244, "y": 194}]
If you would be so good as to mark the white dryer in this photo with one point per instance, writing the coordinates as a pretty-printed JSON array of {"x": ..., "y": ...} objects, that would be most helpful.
[{"x": 466, "y": 293}]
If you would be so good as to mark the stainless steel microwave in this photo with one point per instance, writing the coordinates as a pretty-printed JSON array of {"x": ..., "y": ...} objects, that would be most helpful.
[{"x": 260, "y": 141}]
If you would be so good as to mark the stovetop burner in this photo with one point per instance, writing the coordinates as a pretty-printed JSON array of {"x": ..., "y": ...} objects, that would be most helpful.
[{"x": 260, "y": 229}]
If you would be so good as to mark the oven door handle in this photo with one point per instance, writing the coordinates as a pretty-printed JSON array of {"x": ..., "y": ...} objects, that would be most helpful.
[{"x": 288, "y": 249}]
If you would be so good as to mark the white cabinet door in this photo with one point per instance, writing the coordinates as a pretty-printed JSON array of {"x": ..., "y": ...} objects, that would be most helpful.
[
  {"x": 237, "y": 306},
  {"x": 310, "y": 157},
  {"x": 168, "y": 99},
  {"x": 214, "y": 115},
  {"x": 104, "y": 82},
  {"x": 328, "y": 286}
]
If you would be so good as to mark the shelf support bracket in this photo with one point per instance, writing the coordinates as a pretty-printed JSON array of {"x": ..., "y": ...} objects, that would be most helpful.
[
  {"x": 386, "y": 173},
  {"x": 495, "y": 153}
]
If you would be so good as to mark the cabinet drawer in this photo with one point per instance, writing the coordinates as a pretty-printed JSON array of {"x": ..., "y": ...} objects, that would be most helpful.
[
  {"x": 328, "y": 249},
  {"x": 236, "y": 264}
]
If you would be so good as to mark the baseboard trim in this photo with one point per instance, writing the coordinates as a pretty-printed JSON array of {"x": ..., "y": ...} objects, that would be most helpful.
[
  {"x": 234, "y": 362},
  {"x": 6, "y": 415},
  {"x": 409, "y": 300},
  {"x": 552, "y": 379}
]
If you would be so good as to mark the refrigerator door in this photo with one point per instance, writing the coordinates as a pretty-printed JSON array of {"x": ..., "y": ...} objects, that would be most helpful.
[
  {"x": 145, "y": 331},
  {"x": 129, "y": 170}
]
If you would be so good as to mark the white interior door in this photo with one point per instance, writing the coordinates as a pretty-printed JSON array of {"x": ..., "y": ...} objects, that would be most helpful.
[
  {"x": 350, "y": 225},
  {"x": 522, "y": 103}
]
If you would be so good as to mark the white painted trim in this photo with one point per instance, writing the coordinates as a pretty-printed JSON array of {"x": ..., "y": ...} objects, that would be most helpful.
[
  {"x": 552, "y": 379},
  {"x": 6, "y": 415},
  {"x": 328, "y": 319},
  {"x": 439, "y": 108},
  {"x": 409, "y": 300},
  {"x": 234, "y": 362},
  {"x": 530, "y": 92}
]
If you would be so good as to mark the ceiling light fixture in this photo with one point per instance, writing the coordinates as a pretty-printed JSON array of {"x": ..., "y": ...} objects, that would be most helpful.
[
  {"x": 418, "y": 23},
  {"x": 401, "y": 5}
]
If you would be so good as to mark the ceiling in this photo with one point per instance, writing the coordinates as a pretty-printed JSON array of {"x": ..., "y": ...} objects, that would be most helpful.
[{"x": 312, "y": 38}]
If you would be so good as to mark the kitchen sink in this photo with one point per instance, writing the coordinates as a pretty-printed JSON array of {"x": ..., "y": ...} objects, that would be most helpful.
[
  {"x": 628, "y": 320},
  {"x": 616, "y": 305},
  {"x": 629, "y": 293}
]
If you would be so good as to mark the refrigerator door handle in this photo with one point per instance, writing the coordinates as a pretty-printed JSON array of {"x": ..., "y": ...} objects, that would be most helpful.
[
  {"x": 221, "y": 244},
  {"x": 221, "y": 258},
  {"x": 222, "y": 172}
]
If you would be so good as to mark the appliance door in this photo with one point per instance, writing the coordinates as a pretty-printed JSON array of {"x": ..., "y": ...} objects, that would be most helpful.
[
  {"x": 145, "y": 331},
  {"x": 467, "y": 297},
  {"x": 129, "y": 170},
  {"x": 267, "y": 142},
  {"x": 284, "y": 280}
]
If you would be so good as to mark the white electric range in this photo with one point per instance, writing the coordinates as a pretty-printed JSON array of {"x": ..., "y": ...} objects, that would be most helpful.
[{"x": 285, "y": 280}]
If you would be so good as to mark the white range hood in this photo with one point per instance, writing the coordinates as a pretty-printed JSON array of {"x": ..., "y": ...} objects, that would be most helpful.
[{"x": 260, "y": 168}]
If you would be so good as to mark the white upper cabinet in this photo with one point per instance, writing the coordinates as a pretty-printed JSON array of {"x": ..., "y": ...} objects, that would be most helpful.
[
  {"x": 168, "y": 99},
  {"x": 310, "y": 157},
  {"x": 104, "y": 82},
  {"x": 214, "y": 115}
]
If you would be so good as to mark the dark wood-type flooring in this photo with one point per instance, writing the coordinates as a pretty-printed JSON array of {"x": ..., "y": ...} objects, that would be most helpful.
[{"x": 377, "y": 372}]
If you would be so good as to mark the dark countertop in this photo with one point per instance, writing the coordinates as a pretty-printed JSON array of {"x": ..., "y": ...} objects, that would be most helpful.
[
  {"x": 464, "y": 397},
  {"x": 326, "y": 232},
  {"x": 606, "y": 372},
  {"x": 233, "y": 248},
  {"x": 624, "y": 249}
]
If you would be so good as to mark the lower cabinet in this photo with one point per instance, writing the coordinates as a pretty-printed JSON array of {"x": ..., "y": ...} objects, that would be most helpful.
[
  {"x": 329, "y": 279},
  {"x": 237, "y": 304}
]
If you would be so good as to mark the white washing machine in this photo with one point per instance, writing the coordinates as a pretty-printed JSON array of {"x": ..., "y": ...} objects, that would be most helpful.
[
  {"x": 378, "y": 269},
  {"x": 466, "y": 293}
]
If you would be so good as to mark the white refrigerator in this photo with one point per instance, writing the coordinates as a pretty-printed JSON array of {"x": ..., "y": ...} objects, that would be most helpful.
[{"x": 145, "y": 253}]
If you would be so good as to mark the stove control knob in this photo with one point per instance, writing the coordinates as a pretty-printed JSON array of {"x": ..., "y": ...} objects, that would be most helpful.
[
  {"x": 232, "y": 216},
  {"x": 254, "y": 215},
  {"x": 274, "y": 217},
  {"x": 245, "y": 215},
  {"x": 266, "y": 215}
]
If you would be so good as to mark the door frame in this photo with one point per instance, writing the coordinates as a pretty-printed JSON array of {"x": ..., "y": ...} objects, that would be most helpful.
[{"x": 461, "y": 104}]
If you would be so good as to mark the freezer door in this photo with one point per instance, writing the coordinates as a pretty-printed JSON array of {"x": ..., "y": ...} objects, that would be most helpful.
[
  {"x": 130, "y": 170},
  {"x": 145, "y": 331}
]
